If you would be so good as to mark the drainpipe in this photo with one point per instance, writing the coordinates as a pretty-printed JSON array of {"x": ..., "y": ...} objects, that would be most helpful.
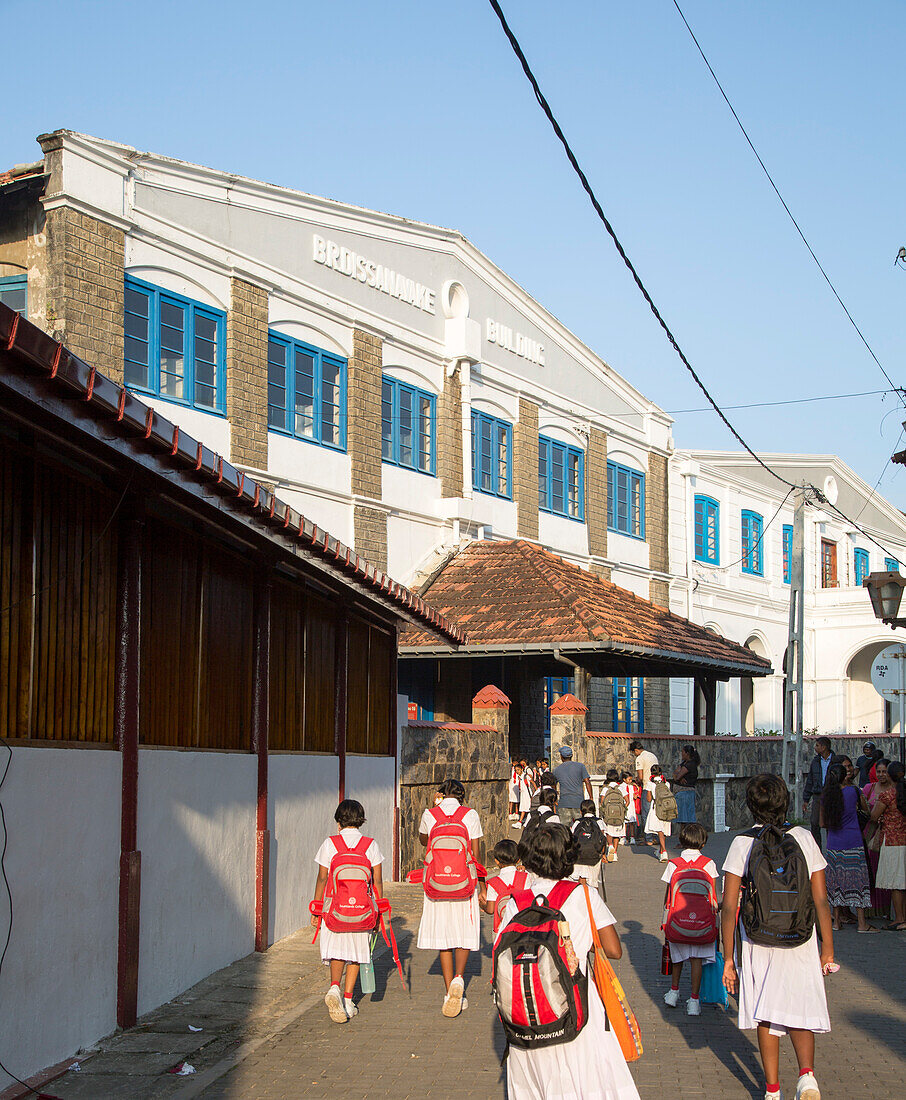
[{"x": 582, "y": 676}]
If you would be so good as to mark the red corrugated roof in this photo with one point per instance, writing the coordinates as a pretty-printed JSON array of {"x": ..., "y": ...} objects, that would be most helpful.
[
  {"x": 22, "y": 344},
  {"x": 512, "y": 594}
]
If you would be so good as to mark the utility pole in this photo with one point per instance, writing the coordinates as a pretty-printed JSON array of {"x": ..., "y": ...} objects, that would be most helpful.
[{"x": 792, "y": 702}]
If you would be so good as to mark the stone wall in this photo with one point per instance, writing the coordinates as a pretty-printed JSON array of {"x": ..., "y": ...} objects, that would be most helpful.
[
  {"x": 431, "y": 752},
  {"x": 246, "y": 374},
  {"x": 596, "y": 494},
  {"x": 656, "y": 514},
  {"x": 449, "y": 436},
  {"x": 364, "y": 438},
  {"x": 738, "y": 757}
]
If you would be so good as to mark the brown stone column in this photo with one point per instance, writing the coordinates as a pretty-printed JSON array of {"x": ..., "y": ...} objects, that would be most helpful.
[
  {"x": 568, "y": 727},
  {"x": 246, "y": 374},
  {"x": 491, "y": 707},
  {"x": 596, "y": 493},
  {"x": 525, "y": 469},
  {"x": 656, "y": 513},
  {"x": 364, "y": 442},
  {"x": 449, "y": 435}
]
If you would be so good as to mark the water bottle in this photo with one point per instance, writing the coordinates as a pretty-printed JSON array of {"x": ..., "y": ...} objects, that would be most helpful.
[{"x": 366, "y": 977}]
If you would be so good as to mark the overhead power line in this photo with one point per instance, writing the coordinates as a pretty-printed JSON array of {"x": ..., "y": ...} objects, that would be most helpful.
[
  {"x": 791, "y": 401},
  {"x": 818, "y": 495},
  {"x": 784, "y": 205},
  {"x": 583, "y": 179}
]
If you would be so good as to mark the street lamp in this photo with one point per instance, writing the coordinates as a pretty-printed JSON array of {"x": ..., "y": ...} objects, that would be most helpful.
[{"x": 885, "y": 590}]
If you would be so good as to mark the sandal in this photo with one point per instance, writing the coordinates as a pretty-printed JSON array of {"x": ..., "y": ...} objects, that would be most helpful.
[{"x": 870, "y": 928}]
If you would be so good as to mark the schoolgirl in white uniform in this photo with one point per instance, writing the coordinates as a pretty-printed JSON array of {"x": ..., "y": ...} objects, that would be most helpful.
[
  {"x": 451, "y": 928},
  {"x": 693, "y": 838},
  {"x": 627, "y": 790},
  {"x": 615, "y": 833},
  {"x": 345, "y": 949},
  {"x": 654, "y": 824},
  {"x": 781, "y": 989}
]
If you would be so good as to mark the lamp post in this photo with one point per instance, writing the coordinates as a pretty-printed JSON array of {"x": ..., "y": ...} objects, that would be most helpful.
[{"x": 885, "y": 590}]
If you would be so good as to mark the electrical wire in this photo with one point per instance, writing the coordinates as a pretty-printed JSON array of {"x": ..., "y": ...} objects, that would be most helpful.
[
  {"x": 784, "y": 205},
  {"x": 791, "y": 401},
  {"x": 871, "y": 495},
  {"x": 758, "y": 541},
  {"x": 583, "y": 179}
]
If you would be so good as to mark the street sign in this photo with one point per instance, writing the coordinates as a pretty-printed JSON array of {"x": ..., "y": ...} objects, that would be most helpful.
[{"x": 885, "y": 671}]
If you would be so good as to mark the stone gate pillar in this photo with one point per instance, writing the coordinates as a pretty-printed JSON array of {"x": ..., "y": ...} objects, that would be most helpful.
[
  {"x": 568, "y": 727},
  {"x": 491, "y": 707}
]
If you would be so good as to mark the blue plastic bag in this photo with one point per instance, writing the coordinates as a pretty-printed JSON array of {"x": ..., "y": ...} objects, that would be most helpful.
[{"x": 713, "y": 991}]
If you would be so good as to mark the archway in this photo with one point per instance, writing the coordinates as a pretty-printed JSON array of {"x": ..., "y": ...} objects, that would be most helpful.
[
  {"x": 866, "y": 710},
  {"x": 755, "y": 710}
]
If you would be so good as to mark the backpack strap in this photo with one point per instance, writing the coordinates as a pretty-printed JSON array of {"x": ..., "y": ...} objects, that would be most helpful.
[
  {"x": 340, "y": 845},
  {"x": 362, "y": 847},
  {"x": 459, "y": 815},
  {"x": 523, "y": 899},
  {"x": 523, "y": 884},
  {"x": 700, "y": 862},
  {"x": 560, "y": 893},
  {"x": 438, "y": 814}
]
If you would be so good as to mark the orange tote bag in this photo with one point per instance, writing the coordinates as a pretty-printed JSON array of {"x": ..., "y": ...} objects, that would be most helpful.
[{"x": 620, "y": 1016}]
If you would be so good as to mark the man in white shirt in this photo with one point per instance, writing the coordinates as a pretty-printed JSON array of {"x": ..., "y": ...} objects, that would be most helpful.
[{"x": 644, "y": 762}]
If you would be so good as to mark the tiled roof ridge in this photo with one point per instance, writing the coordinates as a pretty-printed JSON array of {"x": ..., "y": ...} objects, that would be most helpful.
[
  {"x": 108, "y": 399},
  {"x": 535, "y": 556}
]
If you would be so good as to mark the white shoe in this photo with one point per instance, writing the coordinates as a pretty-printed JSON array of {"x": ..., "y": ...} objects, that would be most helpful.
[
  {"x": 350, "y": 1007},
  {"x": 623, "y": 841},
  {"x": 778, "y": 1095},
  {"x": 465, "y": 1003},
  {"x": 334, "y": 1003},
  {"x": 663, "y": 858},
  {"x": 671, "y": 997},
  {"x": 807, "y": 1089},
  {"x": 693, "y": 1007},
  {"x": 616, "y": 858},
  {"x": 631, "y": 840},
  {"x": 454, "y": 998}
]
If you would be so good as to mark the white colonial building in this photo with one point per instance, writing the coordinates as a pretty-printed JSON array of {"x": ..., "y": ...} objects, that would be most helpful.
[{"x": 730, "y": 541}]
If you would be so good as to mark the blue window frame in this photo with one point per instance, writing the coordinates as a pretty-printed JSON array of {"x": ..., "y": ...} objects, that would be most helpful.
[
  {"x": 628, "y": 704},
  {"x": 14, "y": 292},
  {"x": 891, "y": 565},
  {"x": 174, "y": 347},
  {"x": 306, "y": 392},
  {"x": 787, "y": 553},
  {"x": 752, "y": 531},
  {"x": 408, "y": 420},
  {"x": 707, "y": 530},
  {"x": 492, "y": 449},
  {"x": 554, "y": 687},
  {"x": 625, "y": 500},
  {"x": 561, "y": 479},
  {"x": 860, "y": 565}
]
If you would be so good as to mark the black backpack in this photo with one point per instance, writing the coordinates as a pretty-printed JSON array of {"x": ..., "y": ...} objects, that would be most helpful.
[
  {"x": 537, "y": 817},
  {"x": 777, "y": 909},
  {"x": 590, "y": 837}
]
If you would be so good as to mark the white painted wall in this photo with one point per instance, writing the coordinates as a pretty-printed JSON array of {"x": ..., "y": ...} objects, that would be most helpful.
[
  {"x": 196, "y": 833},
  {"x": 302, "y": 799},
  {"x": 563, "y": 536},
  {"x": 58, "y": 986},
  {"x": 371, "y": 779},
  {"x": 207, "y": 428}
]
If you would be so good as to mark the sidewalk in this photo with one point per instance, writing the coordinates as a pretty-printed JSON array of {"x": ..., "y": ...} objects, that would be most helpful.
[{"x": 266, "y": 1034}]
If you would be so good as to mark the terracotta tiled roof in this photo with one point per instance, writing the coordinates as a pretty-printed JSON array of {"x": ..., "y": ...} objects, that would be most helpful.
[
  {"x": 507, "y": 595},
  {"x": 490, "y": 696},
  {"x": 24, "y": 347},
  {"x": 569, "y": 704}
]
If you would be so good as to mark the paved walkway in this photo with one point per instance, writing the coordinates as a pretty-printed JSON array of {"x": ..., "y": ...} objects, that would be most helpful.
[{"x": 267, "y": 1035}]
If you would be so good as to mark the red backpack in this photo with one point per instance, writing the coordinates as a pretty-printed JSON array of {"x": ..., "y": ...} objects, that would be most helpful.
[
  {"x": 505, "y": 891},
  {"x": 690, "y": 908},
  {"x": 541, "y": 993},
  {"x": 349, "y": 901},
  {"x": 450, "y": 872}
]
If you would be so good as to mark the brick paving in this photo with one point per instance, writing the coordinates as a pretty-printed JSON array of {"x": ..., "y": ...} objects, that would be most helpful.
[{"x": 400, "y": 1046}]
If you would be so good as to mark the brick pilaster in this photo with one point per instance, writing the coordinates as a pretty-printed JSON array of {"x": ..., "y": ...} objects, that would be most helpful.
[
  {"x": 449, "y": 436},
  {"x": 364, "y": 441},
  {"x": 596, "y": 493},
  {"x": 525, "y": 469},
  {"x": 656, "y": 517},
  {"x": 246, "y": 374},
  {"x": 85, "y": 276}
]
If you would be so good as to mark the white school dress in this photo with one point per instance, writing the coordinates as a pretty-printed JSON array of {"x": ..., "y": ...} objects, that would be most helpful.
[
  {"x": 616, "y": 830},
  {"x": 627, "y": 790},
  {"x": 592, "y": 1066},
  {"x": 525, "y": 796},
  {"x": 591, "y": 872},
  {"x": 680, "y": 952},
  {"x": 449, "y": 924},
  {"x": 653, "y": 823},
  {"x": 782, "y": 986},
  {"x": 351, "y": 947}
]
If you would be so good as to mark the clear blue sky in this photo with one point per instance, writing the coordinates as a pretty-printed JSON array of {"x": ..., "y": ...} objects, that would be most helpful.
[{"x": 420, "y": 109}]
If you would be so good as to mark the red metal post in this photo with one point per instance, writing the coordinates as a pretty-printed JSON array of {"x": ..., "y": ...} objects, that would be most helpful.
[
  {"x": 394, "y": 749},
  {"x": 126, "y": 729},
  {"x": 342, "y": 671},
  {"x": 260, "y": 685}
]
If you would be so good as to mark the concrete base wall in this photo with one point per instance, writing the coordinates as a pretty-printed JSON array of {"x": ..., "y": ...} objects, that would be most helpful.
[
  {"x": 370, "y": 779},
  {"x": 58, "y": 986},
  {"x": 196, "y": 833},
  {"x": 302, "y": 792}
]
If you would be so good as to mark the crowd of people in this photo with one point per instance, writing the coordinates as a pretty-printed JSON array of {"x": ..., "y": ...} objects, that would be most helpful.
[{"x": 554, "y": 932}]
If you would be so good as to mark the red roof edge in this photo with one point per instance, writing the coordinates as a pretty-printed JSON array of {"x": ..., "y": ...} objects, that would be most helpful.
[{"x": 110, "y": 401}]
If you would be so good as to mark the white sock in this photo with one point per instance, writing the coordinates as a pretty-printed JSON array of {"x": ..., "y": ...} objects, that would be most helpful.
[{"x": 348, "y": 1001}]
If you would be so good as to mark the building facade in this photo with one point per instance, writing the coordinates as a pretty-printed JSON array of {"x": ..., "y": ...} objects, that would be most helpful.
[
  {"x": 385, "y": 376},
  {"x": 730, "y": 549}
]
